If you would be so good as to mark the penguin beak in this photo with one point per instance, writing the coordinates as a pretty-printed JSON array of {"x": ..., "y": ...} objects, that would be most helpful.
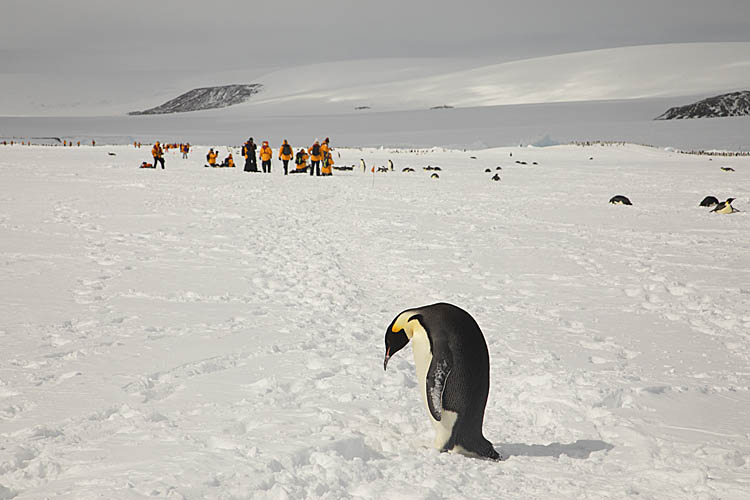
[{"x": 387, "y": 357}]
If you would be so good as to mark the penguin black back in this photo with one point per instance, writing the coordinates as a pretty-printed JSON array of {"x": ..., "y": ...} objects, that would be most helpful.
[
  {"x": 620, "y": 200},
  {"x": 709, "y": 201}
]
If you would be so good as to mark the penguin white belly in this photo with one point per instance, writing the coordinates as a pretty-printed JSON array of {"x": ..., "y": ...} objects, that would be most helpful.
[
  {"x": 422, "y": 359},
  {"x": 728, "y": 209}
]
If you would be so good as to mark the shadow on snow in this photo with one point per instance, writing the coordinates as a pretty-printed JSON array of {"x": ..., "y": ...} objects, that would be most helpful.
[{"x": 581, "y": 449}]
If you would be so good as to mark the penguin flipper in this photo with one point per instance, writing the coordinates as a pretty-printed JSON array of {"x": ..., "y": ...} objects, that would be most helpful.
[{"x": 437, "y": 375}]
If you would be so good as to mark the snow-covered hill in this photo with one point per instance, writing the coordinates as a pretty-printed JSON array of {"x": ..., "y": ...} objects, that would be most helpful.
[
  {"x": 732, "y": 104},
  {"x": 620, "y": 73},
  {"x": 205, "y": 98},
  {"x": 407, "y": 84},
  {"x": 195, "y": 333}
]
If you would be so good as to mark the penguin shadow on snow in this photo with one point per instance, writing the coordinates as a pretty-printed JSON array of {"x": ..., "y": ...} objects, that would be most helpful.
[{"x": 581, "y": 449}]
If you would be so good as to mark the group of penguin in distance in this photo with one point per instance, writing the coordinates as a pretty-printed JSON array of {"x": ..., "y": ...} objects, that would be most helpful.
[
  {"x": 723, "y": 207},
  {"x": 496, "y": 177},
  {"x": 390, "y": 168}
]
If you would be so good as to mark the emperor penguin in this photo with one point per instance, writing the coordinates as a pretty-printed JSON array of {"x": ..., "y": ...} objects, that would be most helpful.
[
  {"x": 709, "y": 201},
  {"x": 620, "y": 200},
  {"x": 453, "y": 371},
  {"x": 725, "y": 207},
  {"x": 364, "y": 166},
  {"x": 390, "y": 164}
]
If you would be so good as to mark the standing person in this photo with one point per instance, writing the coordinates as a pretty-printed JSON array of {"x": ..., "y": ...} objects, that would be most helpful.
[
  {"x": 300, "y": 160},
  {"x": 158, "y": 154},
  {"x": 315, "y": 158},
  {"x": 265, "y": 157},
  {"x": 285, "y": 154},
  {"x": 325, "y": 147},
  {"x": 251, "y": 163},
  {"x": 185, "y": 151}
]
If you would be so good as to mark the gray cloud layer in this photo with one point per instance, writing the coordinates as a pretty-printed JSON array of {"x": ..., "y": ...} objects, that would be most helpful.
[{"x": 95, "y": 36}]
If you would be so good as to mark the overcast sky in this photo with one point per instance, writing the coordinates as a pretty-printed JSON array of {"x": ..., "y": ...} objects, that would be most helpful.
[{"x": 172, "y": 35}]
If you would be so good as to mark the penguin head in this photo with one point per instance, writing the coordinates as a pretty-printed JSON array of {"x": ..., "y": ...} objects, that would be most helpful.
[
  {"x": 399, "y": 334},
  {"x": 729, "y": 200}
]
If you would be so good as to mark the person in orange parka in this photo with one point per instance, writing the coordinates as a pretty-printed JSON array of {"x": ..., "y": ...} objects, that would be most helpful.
[
  {"x": 327, "y": 163},
  {"x": 228, "y": 161},
  {"x": 301, "y": 161},
  {"x": 158, "y": 154},
  {"x": 265, "y": 157},
  {"x": 315, "y": 157},
  {"x": 211, "y": 157},
  {"x": 285, "y": 154}
]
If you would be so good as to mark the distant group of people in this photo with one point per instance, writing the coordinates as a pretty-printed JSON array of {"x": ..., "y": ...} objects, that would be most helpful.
[
  {"x": 65, "y": 143},
  {"x": 157, "y": 152},
  {"x": 317, "y": 154}
]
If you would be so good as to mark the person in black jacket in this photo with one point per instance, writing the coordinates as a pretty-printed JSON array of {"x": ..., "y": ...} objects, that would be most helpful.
[{"x": 251, "y": 163}]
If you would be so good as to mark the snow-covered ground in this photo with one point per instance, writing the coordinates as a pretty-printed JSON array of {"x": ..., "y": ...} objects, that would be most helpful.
[{"x": 207, "y": 333}]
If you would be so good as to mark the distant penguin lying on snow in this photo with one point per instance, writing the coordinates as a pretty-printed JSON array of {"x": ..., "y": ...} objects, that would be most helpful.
[
  {"x": 727, "y": 169},
  {"x": 498, "y": 168},
  {"x": 495, "y": 177},
  {"x": 725, "y": 207},
  {"x": 453, "y": 372},
  {"x": 620, "y": 200},
  {"x": 434, "y": 176},
  {"x": 709, "y": 201},
  {"x": 487, "y": 170},
  {"x": 407, "y": 169}
]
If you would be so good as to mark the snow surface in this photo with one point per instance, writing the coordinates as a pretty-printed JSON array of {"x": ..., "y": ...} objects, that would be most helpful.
[{"x": 207, "y": 333}]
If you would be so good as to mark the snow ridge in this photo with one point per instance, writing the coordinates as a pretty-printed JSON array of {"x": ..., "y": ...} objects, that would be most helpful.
[
  {"x": 732, "y": 104},
  {"x": 205, "y": 98}
]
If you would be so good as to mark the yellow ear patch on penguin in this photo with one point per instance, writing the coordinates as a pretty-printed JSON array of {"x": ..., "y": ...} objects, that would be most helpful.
[{"x": 404, "y": 324}]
